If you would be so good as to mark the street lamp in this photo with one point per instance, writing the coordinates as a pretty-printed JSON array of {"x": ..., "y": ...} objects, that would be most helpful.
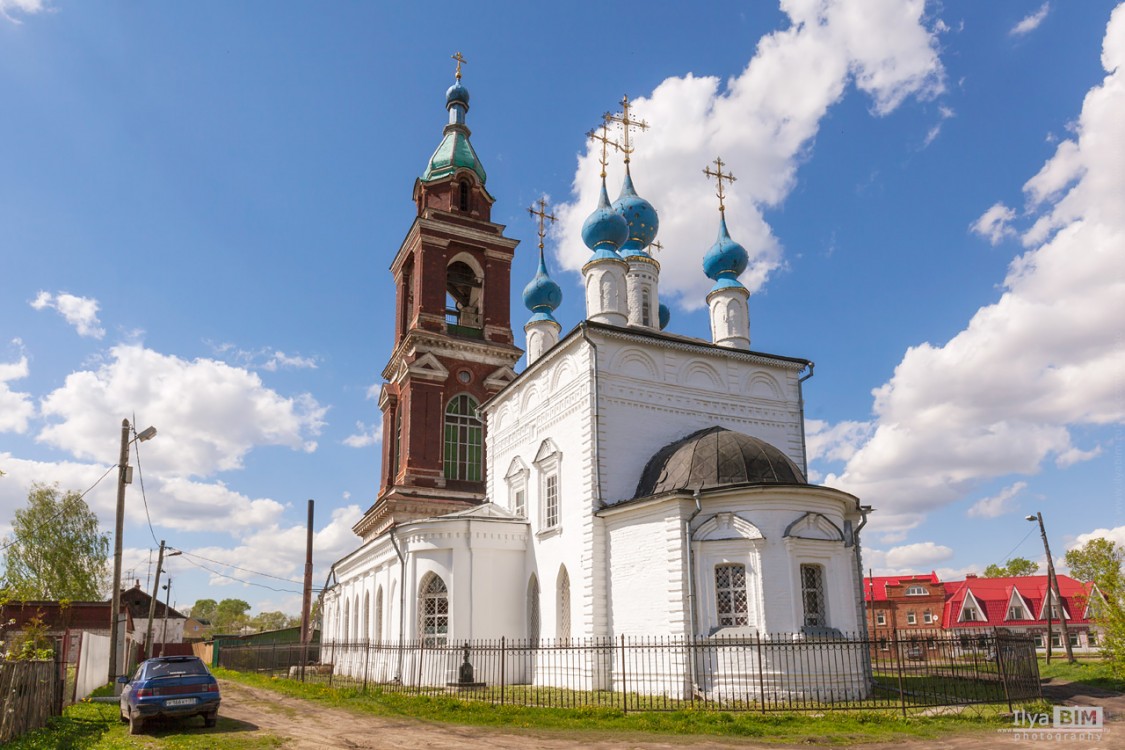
[
  {"x": 1053, "y": 593},
  {"x": 124, "y": 476}
]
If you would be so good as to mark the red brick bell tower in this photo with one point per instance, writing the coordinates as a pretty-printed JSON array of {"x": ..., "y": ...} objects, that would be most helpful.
[{"x": 453, "y": 338}]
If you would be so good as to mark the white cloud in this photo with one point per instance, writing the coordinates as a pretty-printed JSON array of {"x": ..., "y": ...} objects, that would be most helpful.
[
  {"x": 762, "y": 124},
  {"x": 999, "y": 504},
  {"x": 1116, "y": 535},
  {"x": 999, "y": 398},
  {"x": 365, "y": 435},
  {"x": 280, "y": 360},
  {"x": 280, "y": 551},
  {"x": 80, "y": 312},
  {"x": 28, "y": 7},
  {"x": 209, "y": 414},
  {"x": 16, "y": 408},
  {"x": 1031, "y": 23},
  {"x": 837, "y": 442},
  {"x": 918, "y": 556},
  {"x": 995, "y": 224}
]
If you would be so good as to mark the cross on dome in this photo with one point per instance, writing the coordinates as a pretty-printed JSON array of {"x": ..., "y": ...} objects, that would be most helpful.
[
  {"x": 460, "y": 61},
  {"x": 719, "y": 176},
  {"x": 606, "y": 143},
  {"x": 627, "y": 123}
]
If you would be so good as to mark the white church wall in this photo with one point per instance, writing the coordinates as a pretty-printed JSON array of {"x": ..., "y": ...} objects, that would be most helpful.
[
  {"x": 543, "y": 423},
  {"x": 645, "y": 573},
  {"x": 654, "y": 394}
]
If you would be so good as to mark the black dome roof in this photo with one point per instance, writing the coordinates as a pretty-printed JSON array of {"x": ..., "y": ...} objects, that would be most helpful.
[{"x": 715, "y": 457}]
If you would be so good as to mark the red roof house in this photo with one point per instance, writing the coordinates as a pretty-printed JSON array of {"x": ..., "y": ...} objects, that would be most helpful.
[{"x": 1020, "y": 603}]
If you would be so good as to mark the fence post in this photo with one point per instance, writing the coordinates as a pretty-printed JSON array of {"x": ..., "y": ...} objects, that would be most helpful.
[
  {"x": 366, "y": 662},
  {"x": 1000, "y": 666},
  {"x": 503, "y": 666},
  {"x": 624, "y": 683},
  {"x": 761, "y": 675},
  {"x": 898, "y": 664}
]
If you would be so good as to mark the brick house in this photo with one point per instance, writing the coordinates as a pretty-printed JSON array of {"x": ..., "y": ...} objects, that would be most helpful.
[{"x": 906, "y": 607}]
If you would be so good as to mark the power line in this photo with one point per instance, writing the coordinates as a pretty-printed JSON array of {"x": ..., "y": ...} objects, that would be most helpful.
[
  {"x": 63, "y": 509},
  {"x": 141, "y": 477},
  {"x": 244, "y": 570},
  {"x": 242, "y": 580}
]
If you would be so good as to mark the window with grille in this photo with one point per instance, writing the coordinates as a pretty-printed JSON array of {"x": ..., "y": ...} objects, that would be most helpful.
[
  {"x": 464, "y": 439},
  {"x": 562, "y": 612},
  {"x": 812, "y": 595},
  {"x": 379, "y": 615},
  {"x": 730, "y": 595},
  {"x": 433, "y": 611},
  {"x": 646, "y": 307},
  {"x": 551, "y": 500},
  {"x": 533, "y": 611}
]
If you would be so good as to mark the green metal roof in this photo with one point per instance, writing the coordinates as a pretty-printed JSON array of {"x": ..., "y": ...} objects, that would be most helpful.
[{"x": 455, "y": 152}]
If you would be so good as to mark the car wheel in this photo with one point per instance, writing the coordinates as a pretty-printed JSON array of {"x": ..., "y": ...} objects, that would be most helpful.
[
  {"x": 210, "y": 719},
  {"x": 136, "y": 725}
]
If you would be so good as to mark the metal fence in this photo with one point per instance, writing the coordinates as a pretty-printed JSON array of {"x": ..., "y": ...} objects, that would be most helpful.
[{"x": 786, "y": 672}]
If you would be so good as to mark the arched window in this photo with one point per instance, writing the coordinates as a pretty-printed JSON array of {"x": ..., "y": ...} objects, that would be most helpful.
[
  {"x": 379, "y": 615},
  {"x": 396, "y": 459},
  {"x": 812, "y": 595},
  {"x": 366, "y": 632},
  {"x": 533, "y": 611},
  {"x": 463, "y": 295},
  {"x": 463, "y": 197},
  {"x": 347, "y": 615},
  {"x": 730, "y": 595},
  {"x": 562, "y": 610},
  {"x": 646, "y": 307},
  {"x": 464, "y": 439},
  {"x": 433, "y": 611}
]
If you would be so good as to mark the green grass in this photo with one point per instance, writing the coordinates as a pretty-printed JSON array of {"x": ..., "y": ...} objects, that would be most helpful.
[
  {"x": 839, "y": 728},
  {"x": 97, "y": 726},
  {"x": 1094, "y": 672}
]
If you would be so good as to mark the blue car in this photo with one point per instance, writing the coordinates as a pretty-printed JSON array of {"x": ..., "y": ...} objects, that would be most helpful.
[{"x": 169, "y": 686}]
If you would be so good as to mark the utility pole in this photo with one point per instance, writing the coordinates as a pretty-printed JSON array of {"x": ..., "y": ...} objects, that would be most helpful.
[
  {"x": 115, "y": 606},
  {"x": 306, "y": 597},
  {"x": 1053, "y": 593},
  {"x": 152, "y": 602},
  {"x": 167, "y": 601}
]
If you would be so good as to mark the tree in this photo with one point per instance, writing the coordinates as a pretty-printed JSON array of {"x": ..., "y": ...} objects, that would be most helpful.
[
  {"x": 1100, "y": 561},
  {"x": 230, "y": 616},
  {"x": 204, "y": 609},
  {"x": 55, "y": 550},
  {"x": 1017, "y": 566},
  {"x": 272, "y": 621}
]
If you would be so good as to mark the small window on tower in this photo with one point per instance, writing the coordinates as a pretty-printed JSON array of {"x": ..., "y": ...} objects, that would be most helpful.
[
  {"x": 463, "y": 196},
  {"x": 646, "y": 308}
]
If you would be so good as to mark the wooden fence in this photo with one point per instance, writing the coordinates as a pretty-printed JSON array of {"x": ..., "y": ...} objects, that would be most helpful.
[{"x": 31, "y": 693}]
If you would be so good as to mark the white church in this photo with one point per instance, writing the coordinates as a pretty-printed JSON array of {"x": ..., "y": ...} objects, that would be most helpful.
[{"x": 628, "y": 481}]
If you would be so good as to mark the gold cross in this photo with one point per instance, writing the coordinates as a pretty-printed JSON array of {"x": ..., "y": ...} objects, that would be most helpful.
[
  {"x": 543, "y": 216},
  {"x": 460, "y": 60},
  {"x": 626, "y": 123},
  {"x": 606, "y": 143},
  {"x": 719, "y": 176},
  {"x": 656, "y": 246}
]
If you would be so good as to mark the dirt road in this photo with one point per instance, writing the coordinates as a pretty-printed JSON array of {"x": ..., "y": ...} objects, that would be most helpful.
[{"x": 308, "y": 726}]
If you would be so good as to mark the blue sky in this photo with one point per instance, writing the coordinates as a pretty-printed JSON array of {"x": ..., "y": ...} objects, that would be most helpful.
[{"x": 199, "y": 204}]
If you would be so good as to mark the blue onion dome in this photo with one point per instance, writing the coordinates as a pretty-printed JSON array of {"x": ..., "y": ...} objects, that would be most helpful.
[
  {"x": 665, "y": 316},
  {"x": 726, "y": 259},
  {"x": 542, "y": 295},
  {"x": 457, "y": 94},
  {"x": 605, "y": 229},
  {"x": 640, "y": 217}
]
